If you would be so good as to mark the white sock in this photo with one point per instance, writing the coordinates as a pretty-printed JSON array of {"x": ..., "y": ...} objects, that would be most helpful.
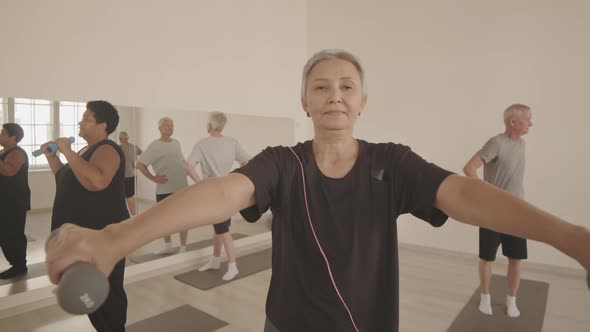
[
  {"x": 212, "y": 264},
  {"x": 166, "y": 250},
  {"x": 232, "y": 271},
  {"x": 511, "y": 308},
  {"x": 182, "y": 249},
  {"x": 485, "y": 304}
]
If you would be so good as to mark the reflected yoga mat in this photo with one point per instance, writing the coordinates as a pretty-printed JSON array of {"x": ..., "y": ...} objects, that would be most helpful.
[
  {"x": 189, "y": 247},
  {"x": 182, "y": 319},
  {"x": 247, "y": 265},
  {"x": 531, "y": 300}
]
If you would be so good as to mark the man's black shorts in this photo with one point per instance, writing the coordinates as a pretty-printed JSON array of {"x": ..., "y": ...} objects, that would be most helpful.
[{"x": 512, "y": 246}]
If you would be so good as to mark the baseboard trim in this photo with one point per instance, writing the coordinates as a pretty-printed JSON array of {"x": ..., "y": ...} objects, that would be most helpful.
[
  {"x": 41, "y": 210},
  {"x": 559, "y": 271}
]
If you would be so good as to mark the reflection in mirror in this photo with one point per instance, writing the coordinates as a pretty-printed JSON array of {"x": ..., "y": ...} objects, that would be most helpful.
[
  {"x": 3, "y": 109},
  {"x": 43, "y": 120},
  {"x": 252, "y": 132}
]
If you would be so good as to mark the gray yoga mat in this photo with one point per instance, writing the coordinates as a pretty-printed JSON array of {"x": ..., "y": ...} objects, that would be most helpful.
[
  {"x": 182, "y": 319},
  {"x": 531, "y": 301},
  {"x": 247, "y": 265},
  {"x": 189, "y": 247}
]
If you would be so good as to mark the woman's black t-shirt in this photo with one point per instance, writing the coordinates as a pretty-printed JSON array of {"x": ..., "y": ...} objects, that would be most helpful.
[{"x": 355, "y": 223}]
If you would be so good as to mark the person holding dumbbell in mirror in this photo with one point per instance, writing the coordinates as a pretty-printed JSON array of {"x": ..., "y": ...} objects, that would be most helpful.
[
  {"x": 90, "y": 192},
  {"x": 15, "y": 199}
]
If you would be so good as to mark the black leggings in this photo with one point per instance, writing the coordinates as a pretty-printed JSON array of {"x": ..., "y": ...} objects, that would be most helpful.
[
  {"x": 112, "y": 315},
  {"x": 12, "y": 236}
]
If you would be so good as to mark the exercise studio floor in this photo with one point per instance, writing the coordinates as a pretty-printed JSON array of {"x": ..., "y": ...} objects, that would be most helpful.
[{"x": 434, "y": 287}]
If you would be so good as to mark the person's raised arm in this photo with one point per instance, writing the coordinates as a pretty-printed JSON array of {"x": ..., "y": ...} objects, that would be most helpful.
[
  {"x": 207, "y": 202},
  {"x": 97, "y": 173},
  {"x": 12, "y": 163},
  {"x": 52, "y": 159},
  {"x": 478, "y": 203}
]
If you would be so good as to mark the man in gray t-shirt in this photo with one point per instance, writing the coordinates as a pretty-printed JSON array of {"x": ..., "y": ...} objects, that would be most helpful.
[
  {"x": 216, "y": 155},
  {"x": 503, "y": 158},
  {"x": 131, "y": 151},
  {"x": 167, "y": 161}
]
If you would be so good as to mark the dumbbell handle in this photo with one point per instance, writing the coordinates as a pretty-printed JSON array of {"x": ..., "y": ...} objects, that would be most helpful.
[{"x": 51, "y": 148}]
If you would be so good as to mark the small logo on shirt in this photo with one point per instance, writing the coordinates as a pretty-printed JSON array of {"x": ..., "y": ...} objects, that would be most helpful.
[{"x": 377, "y": 174}]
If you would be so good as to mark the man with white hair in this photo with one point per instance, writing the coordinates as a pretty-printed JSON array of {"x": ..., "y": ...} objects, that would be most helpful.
[
  {"x": 503, "y": 158},
  {"x": 166, "y": 159},
  {"x": 216, "y": 154}
]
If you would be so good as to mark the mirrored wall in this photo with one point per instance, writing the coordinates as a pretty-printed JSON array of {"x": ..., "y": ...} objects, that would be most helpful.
[{"x": 44, "y": 120}]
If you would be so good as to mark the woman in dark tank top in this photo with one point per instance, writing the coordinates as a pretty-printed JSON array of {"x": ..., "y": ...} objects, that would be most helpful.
[
  {"x": 15, "y": 200},
  {"x": 90, "y": 192}
]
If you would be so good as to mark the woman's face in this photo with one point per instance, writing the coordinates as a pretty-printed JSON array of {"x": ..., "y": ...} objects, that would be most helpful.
[
  {"x": 88, "y": 127},
  {"x": 334, "y": 95}
]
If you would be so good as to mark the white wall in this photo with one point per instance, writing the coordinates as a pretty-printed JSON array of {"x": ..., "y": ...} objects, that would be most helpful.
[
  {"x": 42, "y": 184},
  {"x": 441, "y": 72},
  {"x": 240, "y": 56},
  {"x": 243, "y": 56},
  {"x": 253, "y": 132}
]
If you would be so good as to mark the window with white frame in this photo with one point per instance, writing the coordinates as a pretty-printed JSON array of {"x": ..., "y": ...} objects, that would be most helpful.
[
  {"x": 42, "y": 121},
  {"x": 3, "y": 110},
  {"x": 35, "y": 116},
  {"x": 70, "y": 113}
]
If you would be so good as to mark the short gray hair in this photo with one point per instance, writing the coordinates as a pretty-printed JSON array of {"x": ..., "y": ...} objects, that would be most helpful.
[
  {"x": 217, "y": 121},
  {"x": 513, "y": 110},
  {"x": 329, "y": 55},
  {"x": 123, "y": 132},
  {"x": 164, "y": 119}
]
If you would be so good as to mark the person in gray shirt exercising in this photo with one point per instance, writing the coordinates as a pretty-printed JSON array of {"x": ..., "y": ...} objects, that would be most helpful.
[
  {"x": 165, "y": 157},
  {"x": 503, "y": 158}
]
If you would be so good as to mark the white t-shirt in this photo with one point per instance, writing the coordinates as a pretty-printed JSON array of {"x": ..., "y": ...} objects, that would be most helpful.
[{"x": 217, "y": 155}]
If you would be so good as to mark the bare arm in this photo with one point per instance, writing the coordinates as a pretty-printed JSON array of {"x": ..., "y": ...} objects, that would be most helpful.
[
  {"x": 97, "y": 173},
  {"x": 473, "y": 165},
  {"x": 145, "y": 171},
  {"x": 204, "y": 203},
  {"x": 478, "y": 203},
  {"x": 12, "y": 163},
  {"x": 52, "y": 159},
  {"x": 190, "y": 171}
]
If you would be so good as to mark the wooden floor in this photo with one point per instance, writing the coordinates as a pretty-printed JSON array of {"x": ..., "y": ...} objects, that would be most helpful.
[{"x": 434, "y": 286}]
